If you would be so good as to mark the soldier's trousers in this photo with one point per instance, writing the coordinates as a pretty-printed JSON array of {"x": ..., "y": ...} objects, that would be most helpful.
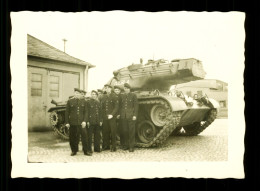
[
  {"x": 128, "y": 133},
  {"x": 119, "y": 130},
  {"x": 109, "y": 133},
  {"x": 76, "y": 131},
  {"x": 94, "y": 129}
]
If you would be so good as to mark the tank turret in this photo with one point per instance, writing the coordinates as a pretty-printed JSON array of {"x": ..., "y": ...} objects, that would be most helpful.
[{"x": 159, "y": 74}]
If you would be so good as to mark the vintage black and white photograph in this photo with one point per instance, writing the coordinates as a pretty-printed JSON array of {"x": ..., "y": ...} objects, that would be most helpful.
[{"x": 138, "y": 94}]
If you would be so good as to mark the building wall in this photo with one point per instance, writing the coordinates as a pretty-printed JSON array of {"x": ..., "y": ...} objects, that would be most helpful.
[
  {"x": 49, "y": 80},
  {"x": 220, "y": 96}
]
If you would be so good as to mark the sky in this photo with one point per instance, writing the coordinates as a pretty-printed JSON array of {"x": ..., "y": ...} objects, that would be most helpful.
[{"x": 112, "y": 40}]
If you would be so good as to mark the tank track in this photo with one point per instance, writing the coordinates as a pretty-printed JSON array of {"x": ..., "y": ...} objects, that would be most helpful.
[
  {"x": 58, "y": 128},
  {"x": 172, "y": 120},
  {"x": 196, "y": 129}
]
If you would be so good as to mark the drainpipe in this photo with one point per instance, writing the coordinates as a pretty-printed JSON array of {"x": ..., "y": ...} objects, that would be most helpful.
[{"x": 86, "y": 78}]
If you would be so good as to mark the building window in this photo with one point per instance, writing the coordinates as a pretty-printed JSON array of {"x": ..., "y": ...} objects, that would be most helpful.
[
  {"x": 199, "y": 93},
  {"x": 54, "y": 86},
  {"x": 188, "y": 93},
  {"x": 222, "y": 104},
  {"x": 36, "y": 84}
]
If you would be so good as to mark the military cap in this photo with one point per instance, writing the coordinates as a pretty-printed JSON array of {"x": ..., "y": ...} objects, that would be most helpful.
[
  {"x": 83, "y": 91},
  {"x": 107, "y": 85},
  {"x": 77, "y": 90},
  {"x": 94, "y": 92},
  {"x": 117, "y": 87},
  {"x": 127, "y": 85}
]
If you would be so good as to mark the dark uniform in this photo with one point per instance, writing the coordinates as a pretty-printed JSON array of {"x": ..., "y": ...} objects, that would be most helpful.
[
  {"x": 75, "y": 115},
  {"x": 118, "y": 121},
  {"x": 129, "y": 108},
  {"x": 94, "y": 118},
  {"x": 109, "y": 106},
  {"x": 100, "y": 95}
]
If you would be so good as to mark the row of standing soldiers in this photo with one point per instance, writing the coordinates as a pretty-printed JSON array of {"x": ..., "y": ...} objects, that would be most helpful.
[{"x": 109, "y": 114}]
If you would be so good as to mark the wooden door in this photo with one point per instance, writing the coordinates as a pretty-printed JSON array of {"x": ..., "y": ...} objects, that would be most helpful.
[
  {"x": 70, "y": 81},
  {"x": 37, "y": 99},
  {"x": 55, "y": 82},
  {"x": 54, "y": 91}
]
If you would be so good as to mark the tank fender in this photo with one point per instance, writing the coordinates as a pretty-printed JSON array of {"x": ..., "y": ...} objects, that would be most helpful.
[
  {"x": 214, "y": 103},
  {"x": 56, "y": 108},
  {"x": 177, "y": 104}
]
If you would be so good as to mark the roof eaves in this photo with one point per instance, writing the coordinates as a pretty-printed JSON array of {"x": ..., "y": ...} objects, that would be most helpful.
[
  {"x": 55, "y": 49},
  {"x": 76, "y": 63}
]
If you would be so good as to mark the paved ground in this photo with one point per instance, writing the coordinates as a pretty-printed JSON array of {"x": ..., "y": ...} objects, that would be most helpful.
[{"x": 210, "y": 145}]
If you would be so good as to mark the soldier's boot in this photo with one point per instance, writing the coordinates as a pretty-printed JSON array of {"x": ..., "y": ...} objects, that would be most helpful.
[
  {"x": 73, "y": 153},
  {"x": 88, "y": 153},
  {"x": 113, "y": 149}
]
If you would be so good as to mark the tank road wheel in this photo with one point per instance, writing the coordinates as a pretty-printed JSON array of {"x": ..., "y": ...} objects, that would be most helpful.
[
  {"x": 158, "y": 115},
  {"x": 54, "y": 118},
  {"x": 146, "y": 131}
]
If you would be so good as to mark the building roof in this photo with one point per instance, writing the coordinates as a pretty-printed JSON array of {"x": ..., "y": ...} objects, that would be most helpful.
[
  {"x": 205, "y": 83},
  {"x": 38, "y": 48}
]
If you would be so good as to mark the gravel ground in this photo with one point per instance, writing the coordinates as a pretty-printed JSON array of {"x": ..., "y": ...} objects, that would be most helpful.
[{"x": 210, "y": 145}]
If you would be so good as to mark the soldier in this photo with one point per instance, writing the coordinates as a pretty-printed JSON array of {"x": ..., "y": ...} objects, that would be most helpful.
[
  {"x": 128, "y": 115},
  {"x": 117, "y": 91},
  {"x": 109, "y": 106},
  {"x": 75, "y": 120},
  {"x": 94, "y": 121},
  {"x": 100, "y": 94},
  {"x": 83, "y": 93}
]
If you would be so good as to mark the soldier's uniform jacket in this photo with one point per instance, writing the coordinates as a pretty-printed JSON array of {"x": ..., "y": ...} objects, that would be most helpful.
[
  {"x": 75, "y": 111},
  {"x": 93, "y": 112},
  {"x": 109, "y": 105},
  {"x": 119, "y": 102},
  {"x": 129, "y": 106}
]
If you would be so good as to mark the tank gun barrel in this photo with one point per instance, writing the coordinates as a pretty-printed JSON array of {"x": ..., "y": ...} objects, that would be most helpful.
[{"x": 54, "y": 102}]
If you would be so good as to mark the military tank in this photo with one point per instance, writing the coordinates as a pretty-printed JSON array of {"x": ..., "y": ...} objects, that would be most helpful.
[
  {"x": 161, "y": 112},
  {"x": 57, "y": 118}
]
